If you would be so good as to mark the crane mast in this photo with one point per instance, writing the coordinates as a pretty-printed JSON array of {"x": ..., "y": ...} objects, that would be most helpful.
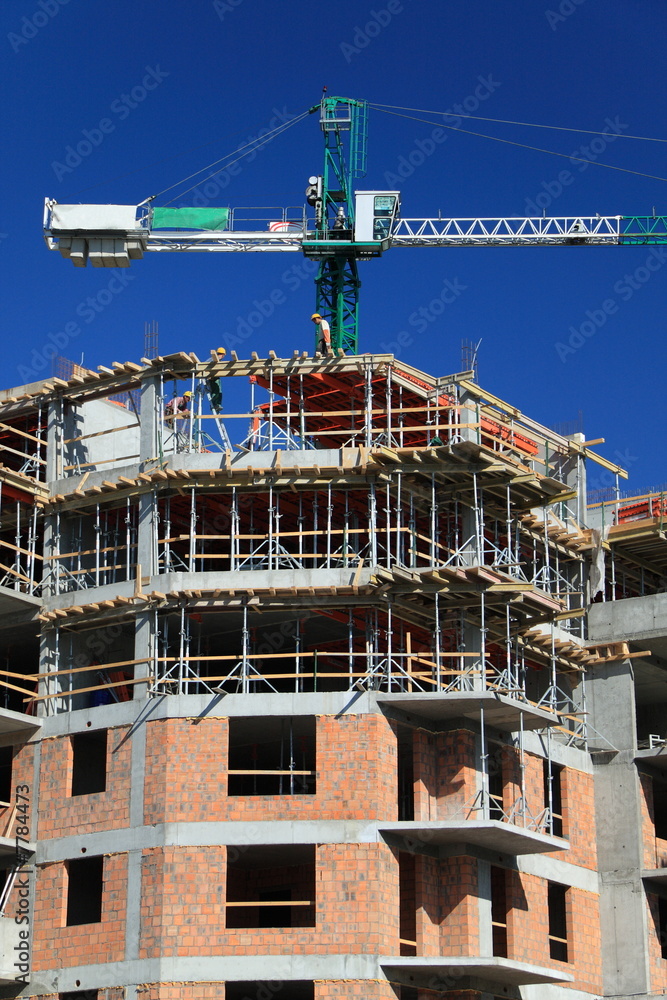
[
  {"x": 344, "y": 124},
  {"x": 348, "y": 226}
]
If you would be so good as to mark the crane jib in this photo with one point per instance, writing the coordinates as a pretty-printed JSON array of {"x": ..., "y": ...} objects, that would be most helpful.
[{"x": 347, "y": 225}]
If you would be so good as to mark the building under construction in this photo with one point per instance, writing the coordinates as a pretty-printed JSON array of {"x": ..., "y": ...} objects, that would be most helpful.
[{"x": 346, "y": 694}]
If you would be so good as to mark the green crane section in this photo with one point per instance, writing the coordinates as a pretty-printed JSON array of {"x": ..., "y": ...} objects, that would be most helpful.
[
  {"x": 344, "y": 123},
  {"x": 643, "y": 229}
]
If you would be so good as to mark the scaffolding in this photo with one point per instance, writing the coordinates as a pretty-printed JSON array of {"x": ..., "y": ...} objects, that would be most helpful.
[{"x": 420, "y": 536}]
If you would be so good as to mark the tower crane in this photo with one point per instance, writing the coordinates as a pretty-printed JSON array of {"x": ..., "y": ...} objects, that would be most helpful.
[{"x": 348, "y": 226}]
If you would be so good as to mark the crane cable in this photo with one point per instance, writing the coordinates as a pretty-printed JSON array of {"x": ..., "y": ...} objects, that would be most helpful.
[
  {"x": 249, "y": 147},
  {"x": 157, "y": 163},
  {"x": 506, "y": 121},
  {"x": 523, "y": 145}
]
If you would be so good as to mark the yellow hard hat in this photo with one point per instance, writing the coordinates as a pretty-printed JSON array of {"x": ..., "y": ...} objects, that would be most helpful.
[
  {"x": 220, "y": 350},
  {"x": 316, "y": 316},
  {"x": 188, "y": 393}
]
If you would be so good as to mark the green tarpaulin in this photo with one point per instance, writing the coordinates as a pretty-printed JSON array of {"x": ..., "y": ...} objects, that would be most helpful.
[{"x": 190, "y": 218}]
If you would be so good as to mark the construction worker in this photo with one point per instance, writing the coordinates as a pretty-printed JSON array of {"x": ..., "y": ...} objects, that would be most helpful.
[
  {"x": 324, "y": 337},
  {"x": 178, "y": 408},
  {"x": 214, "y": 385}
]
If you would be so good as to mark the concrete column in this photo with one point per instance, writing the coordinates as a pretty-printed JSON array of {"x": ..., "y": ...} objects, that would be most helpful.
[
  {"x": 147, "y": 534},
  {"x": 143, "y": 647},
  {"x": 48, "y": 661},
  {"x": 51, "y": 546},
  {"x": 148, "y": 442},
  {"x": 574, "y": 473},
  {"x": 623, "y": 919},
  {"x": 610, "y": 697},
  {"x": 468, "y": 415},
  {"x": 148, "y": 452},
  {"x": 54, "y": 436}
]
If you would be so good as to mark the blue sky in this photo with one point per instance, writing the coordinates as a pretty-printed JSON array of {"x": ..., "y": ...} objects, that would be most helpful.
[{"x": 150, "y": 92}]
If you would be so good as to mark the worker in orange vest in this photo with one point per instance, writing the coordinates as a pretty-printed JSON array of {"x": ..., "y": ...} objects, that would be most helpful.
[{"x": 324, "y": 341}]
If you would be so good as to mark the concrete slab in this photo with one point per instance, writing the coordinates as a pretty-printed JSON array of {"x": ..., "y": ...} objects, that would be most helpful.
[
  {"x": 656, "y": 758},
  {"x": 491, "y": 834},
  {"x": 500, "y": 711},
  {"x": 8, "y": 847},
  {"x": 12, "y": 601},
  {"x": 658, "y": 876},
  {"x": 635, "y": 619},
  {"x": 492, "y": 970},
  {"x": 15, "y": 727}
]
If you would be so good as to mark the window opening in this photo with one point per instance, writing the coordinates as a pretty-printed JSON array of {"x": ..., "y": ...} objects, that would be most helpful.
[
  {"x": 272, "y": 756},
  {"x": 660, "y": 809},
  {"x": 499, "y": 910},
  {"x": 557, "y": 900},
  {"x": 6, "y": 758},
  {"x": 89, "y": 762},
  {"x": 662, "y": 925},
  {"x": 270, "y": 886},
  {"x": 259, "y": 990},
  {"x": 406, "y": 774},
  {"x": 553, "y": 797},
  {"x": 84, "y": 890},
  {"x": 496, "y": 787}
]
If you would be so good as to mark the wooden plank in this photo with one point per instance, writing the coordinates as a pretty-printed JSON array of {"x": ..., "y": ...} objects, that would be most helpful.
[
  {"x": 276, "y": 902},
  {"x": 15, "y": 430},
  {"x": 104, "y": 461},
  {"x": 271, "y": 772},
  {"x": 95, "y": 687},
  {"x": 110, "y": 430},
  {"x": 23, "y": 454}
]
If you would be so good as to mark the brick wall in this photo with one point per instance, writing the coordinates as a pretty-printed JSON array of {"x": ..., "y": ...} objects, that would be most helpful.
[
  {"x": 459, "y": 927},
  {"x": 424, "y": 763},
  {"x": 98, "y": 942},
  {"x": 457, "y": 774},
  {"x": 428, "y": 904},
  {"x": 349, "y": 989},
  {"x": 186, "y": 774},
  {"x": 578, "y": 795},
  {"x": 60, "y": 813},
  {"x": 181, "y": 991},
  {"x": 528, "y": 930},
  {"x": 184, "y": 889}
]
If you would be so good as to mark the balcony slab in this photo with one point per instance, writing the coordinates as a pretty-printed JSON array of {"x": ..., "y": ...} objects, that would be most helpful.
[
  {"x": 500, "y": 711},
  {"x": 491, "y": 834},
  {"x": 459, "y": 972}
]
